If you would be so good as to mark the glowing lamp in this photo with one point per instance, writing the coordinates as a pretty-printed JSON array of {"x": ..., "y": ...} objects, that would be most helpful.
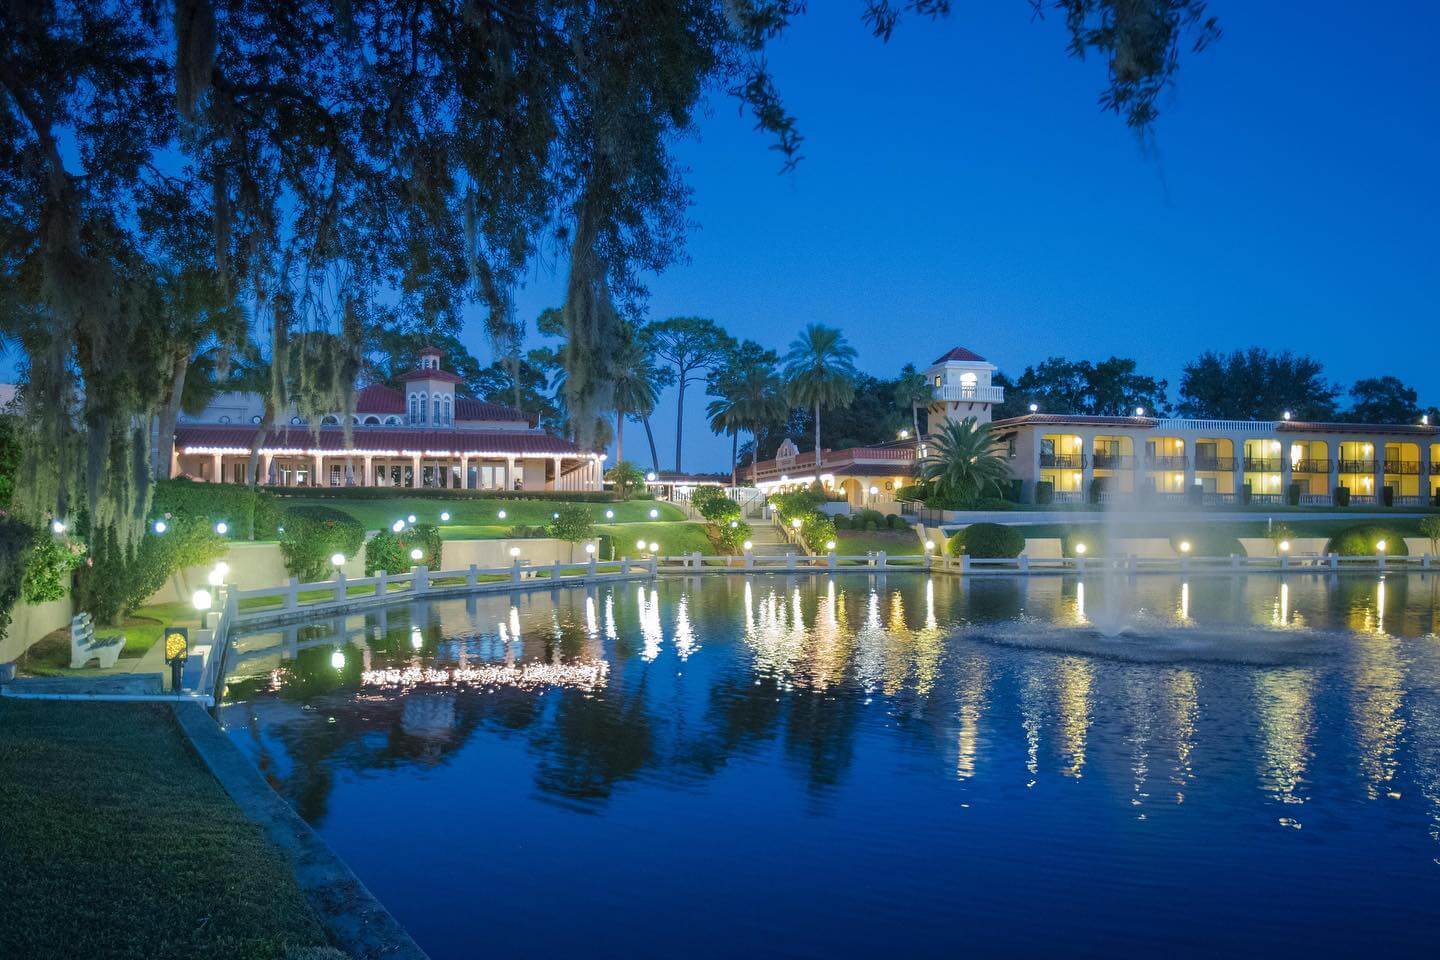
[
  {"x": 416, "y": 554},
  {"x": 337, "y": 559},
  {"x": 445, "y": 516},
  {"x": 1080, "y": 549},
  {"x": 222, "y": 528},
  {"x": 1284, "y": 546},
  {"x": 589, "y": 548},
  {"x": 1286, "y": 414},
  {"x": 734, "y": 524},
  {"x": 201, "y": 600},
  {"x": 161, "y": 526},
  {"x": 640, "y": 544},
  {"x": 555, "y": 516},
  {"x": 609, "y": 514},
  {"x": 223, "y": 568},
  {"x": 500, "y": 514},
  {"x": 1379, "y": 546},
  {"x": 929, "y": 544},
  {"x": 417, "y": 639},
  {"x": 57, "y": 526},
  {"x": 1139, "y": 411},
  {"x": 215, "y": 577},
  {"x": 410, "y": 519},
  {"x": 1184, "y": 546},
  {"x": 829, "y": 544},
  {"x": 650, "y": 477},
  {"x": 904, "y": 434},
  {"x": 514, "y": 551},
  {"x": 796, "y": 523},
  {"x": 397, "y": 526},
  {"x": 1034, "y": 408},
  {"x": 654, "y": 547},
  {"x": 654, "y": 514},
  {"x": 337, "y": 659},
  {"x": 747, "y": 545},
  {"x": 874, "y": 490},
  {"x": 1425, "y": 419}
]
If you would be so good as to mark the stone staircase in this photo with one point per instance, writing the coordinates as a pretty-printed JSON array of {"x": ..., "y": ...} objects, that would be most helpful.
[{"x": 768, "y": 541}]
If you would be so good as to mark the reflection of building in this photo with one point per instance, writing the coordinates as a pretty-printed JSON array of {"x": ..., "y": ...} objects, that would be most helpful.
[
  {"x": 1080, "y": 457},
  {"x": 424, "y": 435}
]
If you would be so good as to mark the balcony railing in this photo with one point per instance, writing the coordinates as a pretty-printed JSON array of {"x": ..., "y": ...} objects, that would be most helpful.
[
  {"x": 1310, "y": 466},
  {"x": 1262, "y": 464},
  {"x": 1357, "y": 466},
  {"x": 1215, "y": 464},
  {"x": 960, "y": 391},
  {"x": 1063, "y": 461},
  {"x": 1408, "y": 468},
  {"x": 1114, "y": 461},
  {"x": 1166, "y": 462}
]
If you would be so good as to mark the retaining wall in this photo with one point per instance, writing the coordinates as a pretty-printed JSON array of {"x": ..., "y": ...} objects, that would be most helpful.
[{"x": 31, "y": 621}]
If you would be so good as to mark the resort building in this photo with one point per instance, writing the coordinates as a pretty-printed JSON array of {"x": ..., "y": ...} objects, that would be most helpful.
[
  {"x": 422, "y": 435},
  {"x": 1070, "y": 458}
]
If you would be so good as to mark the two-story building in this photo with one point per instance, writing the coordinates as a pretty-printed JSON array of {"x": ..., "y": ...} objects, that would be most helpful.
[
  {"x": 1076, "y": 457},
  {"x": 423, "y": 434}
]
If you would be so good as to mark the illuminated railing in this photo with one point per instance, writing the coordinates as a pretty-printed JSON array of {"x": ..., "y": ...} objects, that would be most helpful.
[
  {"x": 1405, "y": 467},
  {"x": 1262, "y": 464},
  {"x": 1357, "y": 466},
  {"x": 959, "y": 391},
  {"x": 1177, "y": 462},
  {"x": 1063, "y": 461},
  {"x": 1310, "y": 466}
]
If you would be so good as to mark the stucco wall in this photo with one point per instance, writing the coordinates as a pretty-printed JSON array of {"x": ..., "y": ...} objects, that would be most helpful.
[
  {"x": 459, "y": 554},
  {"x": 29, "y": 622}
]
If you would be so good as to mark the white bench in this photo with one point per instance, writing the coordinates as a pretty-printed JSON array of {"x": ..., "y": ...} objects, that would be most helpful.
[{"x": 85, "y": 646}]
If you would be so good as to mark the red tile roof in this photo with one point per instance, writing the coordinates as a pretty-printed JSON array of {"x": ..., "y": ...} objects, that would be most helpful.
[
  {"x": 468, "y": 409},
  {"x": 377, "y": 439},
  {"x": 378, "y": 398},
  {"x": 1404, "y": 429},
  {"x": 1076, "y": 420},
  {"x": 962, "y": 355},
  {"x": 420, "y": 373}
]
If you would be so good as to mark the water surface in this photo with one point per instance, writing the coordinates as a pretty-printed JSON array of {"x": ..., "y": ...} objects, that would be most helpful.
[{"x": 821, "y": 767}]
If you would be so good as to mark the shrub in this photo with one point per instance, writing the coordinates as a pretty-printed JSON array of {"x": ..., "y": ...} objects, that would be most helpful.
[
  {"x": 626, "y": 478},
  {"x": 1342, "y": 496},
  {"x": 912, "y": 492},
  {"x": 816, "y": 530},
  {"x": 730, "y": 539},
  {"x": 9, "y": 461},
  {"x": 385, "y": 552},
  {"x": 250, "y": 513},
  {"x": 841, "y": 521},
  {"x": 987, "y": 541},
  {"x": 1360, "y": 541},
  {"x": 426, "y": 536},
  {"x": 522, "y": 532},
  {"x": 868, "y": 519},
  {"x": 1093, "y": 537},
  {"x": 189, "y": 542},
  {"x": 16, "y": 540},
  {"x": 605, "y": 547},
  {"x": 49, "y": 566},
  {"x": 709, "y": 501},
  {"x": 312, "y": 534},
  {"x": 437, "y": 493},
  {"x": 896, "y": 522},
  {"x": 1209, "y": 542},
  {"x": 796, "y": 503},
  {"x": 574, "y": 524}
]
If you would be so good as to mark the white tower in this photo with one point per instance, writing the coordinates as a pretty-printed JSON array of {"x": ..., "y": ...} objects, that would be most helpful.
[{"x": 960, "y": 386}]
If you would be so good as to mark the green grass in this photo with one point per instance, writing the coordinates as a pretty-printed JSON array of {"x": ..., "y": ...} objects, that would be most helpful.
[
  {"x": 50, "y": 656},
  {"x": 674, "y": 538},
  {"x": 894, "y": 542},
  {"x": 477, "y": 519},
  {"x": 1405, "y": 526},
  {"x": 118, "y": 843}
]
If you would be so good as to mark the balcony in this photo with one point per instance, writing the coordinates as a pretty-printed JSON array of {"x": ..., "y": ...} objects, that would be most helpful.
[
  {"x": 1409, "y": 468},
  {"x": 967, "y": 392},
  {"x": 1262, "y": 464},
  {"x": 1310, "y": 466},
  {"x": 1215, "y": 464},
  {"x": 1357, "y": 466},
  {"x": 1166, "y": 463},
  {"x": 1063, "y": 461},
  {"x": 1113, "y": 461}
]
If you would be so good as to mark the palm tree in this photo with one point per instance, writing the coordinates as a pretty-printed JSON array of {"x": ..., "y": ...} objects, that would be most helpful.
[
  {"x": 762, "y": 400},
  {"x": 913, "y": 390},
  {"x": 964, "y": 462},
  {"x": 727, "y": 415},
  {"x": 637, "y": 386},
  {"x": 820, "y": 371}
]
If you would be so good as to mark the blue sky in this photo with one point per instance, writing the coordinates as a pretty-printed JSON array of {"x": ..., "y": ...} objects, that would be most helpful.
[{"x": 961, "y": 186}]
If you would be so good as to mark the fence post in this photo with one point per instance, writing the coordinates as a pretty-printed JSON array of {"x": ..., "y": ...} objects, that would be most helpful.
[
  {"x": 789, "y": 560},
  {"x": 515, "y": 570},
  {"x": 624, "y": 566},
  {"x": 555, "y": 571},
  {"x": 1234, "y": 561},
  {"x": 880, "y": 559},
  {"x": 1079, "y": 564},
  {"x": 695, "y": 557},
  {"x": 1334, "y": 561},
  {"x": 1024, "y": 563},
  {"x": 1381, "y": 558},
  {"x": 292, "y": 596},
  {"x": 590, "y": 570},
  {"x": 382, "y": 583},
  {"x": 749, "y": 559},
  {"x": 339, "y": 584},
  {"x": 1425, "y": 561},
  {"x": 1284, "y": 561},
  {"x": 830, "y": 559},
  {"x": 654, "y": 563},
  {"x": 422, "y": 579},
  {"x": 472, "y": 579},
  {"x": 964, "y": 563}
]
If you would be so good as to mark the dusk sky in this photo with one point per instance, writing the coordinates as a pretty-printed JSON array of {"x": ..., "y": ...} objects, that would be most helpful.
[{"x": 961, "y": 186}]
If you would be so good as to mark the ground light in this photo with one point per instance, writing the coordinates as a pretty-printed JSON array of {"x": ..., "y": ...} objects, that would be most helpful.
[
  {"x": 200, "y": 600},
  {"x": 904, "y": 434},
  {"x": 222, "y": 528},
  {"x": 160, "y": 526},
  {"x": 650, "y": 477},
  {"x": 929, "y": 544},
  {"x": 654, "y": 547},
  {"x": 829, "y": 544},
  {"x": 1284, "y": 546},
  {"x": 554, "y": 516},
  {"x": 609, "y": 514},
  {"x": 874, "y": 490},
  {"x": 1080, "y": 549},
  {"x": 445, "y": 516},
  {"x": 337, "y": 659},
  {"x": 501, "y": 514},
  {"x": 57, "y": 526},
  {"x": 747, "y": 545},
  {"x": 215, "y": 577},
  {"x": 1379, "y": 546},
  {"x": 410, "y": 519},
  {"x": 1184, "y": 546},
  {"x": 416, "y": 554},
  {"x": 1139, "y": 411},
  {"x": 337, "y": 560},
  {"x": 397, "y": 526},
  {"x": 589, "y": 548},
  {"x": 639, "y": 544},
  {"x": 734, "y": 524},
  {"x": 514, "y": 551},
  {"x": 654, "y": 514},
  {"x": 1034, "y": 407},
  {"x": 796, "y": 523}
]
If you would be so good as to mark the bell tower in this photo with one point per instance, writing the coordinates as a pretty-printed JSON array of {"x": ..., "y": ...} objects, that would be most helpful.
[{"x": 960, "y": 386}]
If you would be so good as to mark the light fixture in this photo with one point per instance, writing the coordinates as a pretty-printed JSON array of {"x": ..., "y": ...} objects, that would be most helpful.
[
  {"x": 640, "y": 544},
  {"x": 1379, "y": 546},
  {"x": 904, "y": 434},
  {"x": 747, "y": 545},
  {"x": 1425, "y": 419},
  {"x": 650, "y": 477},
  {"x": 514, "y": 551},
  {"x": 609, "y": 514},
  {"x": 1080, "y": 549},
  {"x": 417, "y": 639},
  {"x": 200, "y": 600},
  {"x": 1034, "y": 408},
  {"x": 1184, "y": 546},
  {"x": 410, "y": 519},
  {"x": 416, "y": 554},
  {"x": 337, "y": 560},
  {"x": 397, "y": 526},
  {"x": 223, "y": 567},
  {"x": 654, "y": 547},
  {"x": 589, "y": 548},
  {"x": 929, "y": 544},
  {"x": 829, "y": 544},
  {"x": 653, "y": 514},
  {"x": 57, "y": 526},
  {"x": 161, "y": 526},
  {"x": 1286, "y": 414},
  {"x": 874, "y": 490},
  {"x": 445, "y": 516},
  {"x": 1139, "y": 411},
  {"x": 1284, "y": 546},
  {"x": 796, "y": 523},
  {"x": 734, "y": 524},
  {"x": 222, "y": 528},
  {"x": 215, "y": 577},
  {"x": 337, "y": 659},
  {"x": 500, "y": 514}
]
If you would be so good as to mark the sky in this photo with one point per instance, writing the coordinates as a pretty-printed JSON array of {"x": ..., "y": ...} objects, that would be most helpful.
[{"x": 961, "y": 186}]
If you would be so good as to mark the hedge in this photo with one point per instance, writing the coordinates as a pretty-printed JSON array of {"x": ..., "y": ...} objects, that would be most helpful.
[
  {"x": 391, "y": 551},
  {"x": 1360, "y": 540},
  {"x": 988, "y": 541},
  {"x": 313, "y": 534},
  {"x": 250, "y": 513},
  {"x": 16, "y": 540},
  {"x": 445, "y": 493},
  {"x": 49, "y": 566},
  {"x": 1206, "y": 542},
  {"x": 115, "y": 582},
  {"x": 817, "y": 530}
]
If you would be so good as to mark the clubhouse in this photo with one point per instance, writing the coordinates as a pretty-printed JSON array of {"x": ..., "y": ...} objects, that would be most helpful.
[
  {"x": 1067, "y": 458},
  {"x": 424, "y": 435}
]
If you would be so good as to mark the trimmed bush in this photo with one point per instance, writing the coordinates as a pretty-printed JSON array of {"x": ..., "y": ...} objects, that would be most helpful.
[
  {"x": 796, "y": 503},
  {"x": 731, "y": 540},
  {"x": 16, "y": 539},
  {"x": 312, "y": 534},
  {"x": 251, "y": 514},
  {"x": 1093, "y": 537},
  {"x": 385, "y": 552},
  {"x": 1207, "y": 542},
  {"x": 1360, "y": 541},
  {"x": 841, "y": 521},
  {"x": 895, "y": 522},
  {"x": 522, "y": 532},
  {"x": 869, "y": 519},
  {"x": 440, "y": 493},
  {"x": 987, "y": 541},
  {"x": 816, "y": 531},
  {"x": 912, "y": 492},
  {"x": 605, "y": 547},
  {"x": 626, "y": 478}
]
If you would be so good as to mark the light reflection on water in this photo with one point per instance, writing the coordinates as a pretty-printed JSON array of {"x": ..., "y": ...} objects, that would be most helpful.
[{"x": 824, "y": 766}]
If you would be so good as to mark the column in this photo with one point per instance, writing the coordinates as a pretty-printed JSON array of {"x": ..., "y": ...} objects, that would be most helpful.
[
  {"x": 1188, "y": 451},
  {"x": 368, "y": 478},
  {"x": 174, "y": 461},
  {"x": 556, "y": 485},
  {"x": 464, "y": 472},
  {"x": 265, "y": 460},
  {"x": 1087, "y": 465},
  {"x": 1424, "y": 488},
  {"x": 1332, "y": 466},
  {"x": 1379, "y": 470},
  {"x": 317, "y": 476},
  {"x": 1034, "y": 463},
  {"x": 509, "y": 473},
  {"x": 414, "y": 470},
  {"x": 1238, "y": 445},
  {"x": 1285, "y": 471},
  {"x": 215, "y": 468}
]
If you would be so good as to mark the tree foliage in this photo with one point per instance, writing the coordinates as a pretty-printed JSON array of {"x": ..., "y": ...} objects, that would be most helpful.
[
  {"x": 820, "y": 372},
  {"x": 1383, "y": 400},
  {"x": 964, "y": 462},
  {"x": 1256, "y": 385},
  {"x": 1111, "y": 388}
]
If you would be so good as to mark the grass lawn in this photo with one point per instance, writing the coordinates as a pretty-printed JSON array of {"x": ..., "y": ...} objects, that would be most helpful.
[
  {"x": 118, "y": 843},
  {"x": 1183, "y": 524},
  {"x": 895, "y": 543},
  {"x": 674, "y": 538},
  {"x": 51, "y": 655},
  {"x": 477, "y": 519}
]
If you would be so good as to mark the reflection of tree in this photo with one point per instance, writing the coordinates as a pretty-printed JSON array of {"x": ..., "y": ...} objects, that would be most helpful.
[{"x": 593, "y": 742}]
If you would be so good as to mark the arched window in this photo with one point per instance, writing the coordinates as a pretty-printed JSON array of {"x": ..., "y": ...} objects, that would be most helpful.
[
  {"x": 392, "y": 421},
  {"x": 224, "y": 419},
  {"x": 414, "y": 417},
  {"x": 372, "y": 421},
  {"x": 297, "y": 422},
  {"x": 424, "y": 407},
  {"x": 435, "y": 417},
  {"x": 448, "y": 410},
  {"x": 329, "y": 421},
  {"x": 967, "y": 384}
]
